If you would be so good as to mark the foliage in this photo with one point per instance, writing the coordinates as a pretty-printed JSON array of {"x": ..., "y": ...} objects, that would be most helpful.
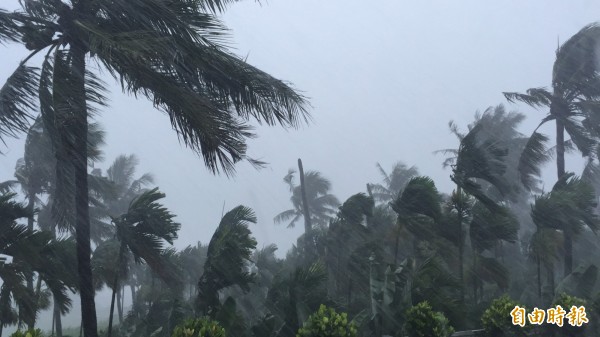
[
  {"x": 497, "y": 321},
  {"x": 28, "y": 333},
  {"x": 326, "y": 322},
  {"x": 422, "y": 321},
  {"x": 567, "y": 302},
  {"x": 228, "y": 253},
  {"x": 200, "y": 327}
]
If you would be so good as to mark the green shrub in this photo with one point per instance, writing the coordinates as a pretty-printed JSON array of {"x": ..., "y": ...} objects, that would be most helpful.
[
  {"x": 497, "y": 321},
  {"x": 200, "y": 327},
  {"x": 566, "y": 302},
  {"x": 28, "y": 333},
  {"x": 327, "y": 323},
  {"x": 422, "y": 321}
]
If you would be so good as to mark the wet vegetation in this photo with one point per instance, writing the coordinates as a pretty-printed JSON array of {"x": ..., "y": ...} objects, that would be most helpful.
[{"x": 398, "y": 258}]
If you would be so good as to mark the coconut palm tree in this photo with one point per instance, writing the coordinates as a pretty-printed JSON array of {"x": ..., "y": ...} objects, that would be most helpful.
[
  {"x": 393, "y": 182},
  {"x": 140, "y": 234},
  {"x": 322, "y": 205},
  {"x": 170, "y": 52},
  {"x": 121, "y": 172},
  {"x": 484, "y": 169},
  {"x": 569, "y": 207},
  {"x": 31, "y": 251},
  {"x": 572, "y": 103}
]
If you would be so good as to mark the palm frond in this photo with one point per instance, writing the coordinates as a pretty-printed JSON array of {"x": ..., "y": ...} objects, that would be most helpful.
[
  {"x": 17, "y": 100},
  {"x": 533, "y": 156},
  {"x": 535, "y": 97}
]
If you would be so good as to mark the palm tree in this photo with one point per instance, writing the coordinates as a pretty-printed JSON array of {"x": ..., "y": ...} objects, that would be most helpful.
[
  {"x": 419, "y": 209},
  {"x": 483, "y": 168},
  {"x": 569, "y": 207},
  {"x": 32, "y": 251},
  {"x": 121, "y": 172},
  {"x": 296, "y": 294},
  {"x": 393, "y": 182},
  {"x": 573, "y": 103},
  {"x": 140, "y": 233},
  {"x": 322, "y": 206},
  {"x": 170, "y": 52},
  {"x": 227, "y": 258}
]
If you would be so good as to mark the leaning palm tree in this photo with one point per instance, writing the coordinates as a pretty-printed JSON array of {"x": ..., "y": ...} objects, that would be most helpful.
[
  {"x": 227, "y": 259},
  {"x": 573, "y": 103},
  {"x": 140, "y": 233},
  {"x": 569, "y": 207},
  {"x": 172, "y": 52}
]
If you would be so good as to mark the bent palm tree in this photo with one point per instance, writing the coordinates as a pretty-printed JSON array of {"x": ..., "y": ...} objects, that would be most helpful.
[
  {"x": 171, "y": 52},
  {"x": 140, "y": 233},
  {"x": 569, "y": 207},
  {"x": 227, "y": 257},
  {"x": 573, "y": 103}
]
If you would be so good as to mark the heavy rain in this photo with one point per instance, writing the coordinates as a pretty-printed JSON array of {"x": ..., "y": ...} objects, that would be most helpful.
[{"x": 223, "y": 168}]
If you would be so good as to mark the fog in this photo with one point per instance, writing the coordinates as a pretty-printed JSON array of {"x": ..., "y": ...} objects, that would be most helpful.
[{"x": 384, "y": 78}]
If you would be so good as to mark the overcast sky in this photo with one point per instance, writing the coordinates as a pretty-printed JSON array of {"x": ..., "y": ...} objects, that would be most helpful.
[{"x": 384, "y": 78}]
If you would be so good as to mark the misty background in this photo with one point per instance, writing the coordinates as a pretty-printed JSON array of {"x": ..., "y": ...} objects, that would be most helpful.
[{"x": 383, "y": 77}]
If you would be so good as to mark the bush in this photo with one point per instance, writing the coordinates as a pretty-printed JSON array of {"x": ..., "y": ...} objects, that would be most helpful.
[
  {"x": 497, "y": 321},
  {"x": 28, "y": 333},
  {"x": 422, "y": 321},
  {"x": 566, "y": 302},
  {"x": 200, "y": 327},
  {"x": 327, "y": 323}
]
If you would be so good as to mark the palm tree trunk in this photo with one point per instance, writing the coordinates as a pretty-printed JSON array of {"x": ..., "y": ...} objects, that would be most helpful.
[
  {"x": 120, "y": 306},
  {"x": 30, "y": 221},
  {"x": 37, "y": 293},
  {"x": 82, "y": 227},
  {"x": 307, "y": 222},
  {"x": 560, "y": 170},
  {"x": 58, "y": 320},
  {"x": 461, "y": 247},
  {"x": 52, "y": 326},
  {"x": 115, "y": 289},
  {"x": 132, "y": 286}
]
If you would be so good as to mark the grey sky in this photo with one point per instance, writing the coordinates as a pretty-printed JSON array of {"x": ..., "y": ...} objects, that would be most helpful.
[{"x": 384, "y": 77}]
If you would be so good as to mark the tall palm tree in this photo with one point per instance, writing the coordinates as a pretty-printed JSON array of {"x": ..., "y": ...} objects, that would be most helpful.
[
  {"x": 322, "y": 205},
  {"x": 170, "y": 52},
  {"x": 573, "y": 103},
  {"x": 483, "y": 165}
]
